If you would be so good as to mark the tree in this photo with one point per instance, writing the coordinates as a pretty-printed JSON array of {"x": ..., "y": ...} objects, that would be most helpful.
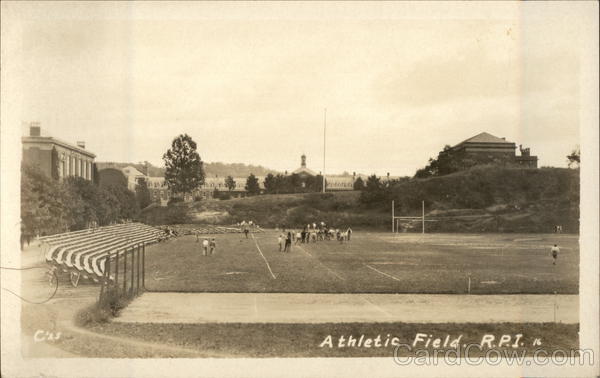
[
  {"x": 319, "y": 183},
  {"x": 230, "y": 183},
  {"x": 95, "y": 175},
  {"x": 359, "y": 184},
  {"x": 574, "y": 158},
  {"x": 108, "y": 207},
  {"x": 183, "y": 167},
  {"x": 294, "y": 183},
  {"x": 142, "y": 194},
  {"x": 270, "y": 184},
  {"x": 280, "y": 183},
  {"x": 447, "y": 161},
  {"x": 373, "y": 184},
  {"x": 374, "y": 190},
  {"x": 43, "y": 205},
  {"x": 252, "y": 186},
  {"x": 313, "y": 183},
  {"x": 128, "y": 205},
  {"x": 84, "y": 202},
  {"x": 88, "y": 203},
  {"x": 55, "y": 164}
]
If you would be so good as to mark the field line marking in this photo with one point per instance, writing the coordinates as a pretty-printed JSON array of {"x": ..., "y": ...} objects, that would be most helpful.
[
  {"x": 385, "y": 274},
  {"x": 378, "y": 308},
  {"x": 263, "y": 256},
  {"x": 324, "y": 266}
]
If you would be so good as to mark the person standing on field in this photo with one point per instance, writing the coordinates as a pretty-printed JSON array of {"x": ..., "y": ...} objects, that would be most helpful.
[
  {"x": 349, "y": 232},
  {"x": 555, "y": 251},
  {"x": 288, "y": 242},
  {"x": 280, "y": 242},
  {"x": 205, "y": 247},
  {"x": 213, "y": 246}
]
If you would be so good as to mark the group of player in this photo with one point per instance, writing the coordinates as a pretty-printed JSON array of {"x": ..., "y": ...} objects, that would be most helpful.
[
  {"x": 246, "y": 226},
  {"x": 311, "y": 233}
]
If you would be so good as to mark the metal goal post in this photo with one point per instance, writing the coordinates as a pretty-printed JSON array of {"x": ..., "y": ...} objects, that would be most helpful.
[{"x": 396, "y": 219}]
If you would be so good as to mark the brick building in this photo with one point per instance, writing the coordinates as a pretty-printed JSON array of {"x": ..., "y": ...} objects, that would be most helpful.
[
  {"x": 485, "y": 148},
  {"x": 56, "y": 158}
]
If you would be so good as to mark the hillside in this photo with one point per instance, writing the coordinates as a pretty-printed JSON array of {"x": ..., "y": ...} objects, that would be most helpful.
[
  {"x": 210, "y": 169},
  {"x": 482, "y": 199},
  {"x": 494, "y": 199}
]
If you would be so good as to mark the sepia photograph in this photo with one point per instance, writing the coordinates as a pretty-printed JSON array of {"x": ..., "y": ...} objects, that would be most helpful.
[{"x": 299, "y": 189}]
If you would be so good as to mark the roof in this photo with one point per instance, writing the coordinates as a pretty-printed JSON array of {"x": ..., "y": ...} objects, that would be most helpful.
[
  {"x": 105, "y": 165},
  {"x": 304, "y": 170},
  {"x": 47, "y": 139},
  {"x": 485, "y": 138},
  {"x": 155, "y": 178},
  {"x": 131, "y": 171}
]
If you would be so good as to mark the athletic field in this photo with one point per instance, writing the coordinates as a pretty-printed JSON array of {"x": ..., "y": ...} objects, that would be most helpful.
[{"x": 369, "y": 263}]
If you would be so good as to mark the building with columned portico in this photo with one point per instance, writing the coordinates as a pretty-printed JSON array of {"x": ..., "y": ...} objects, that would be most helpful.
[{"x": 56, "y": 158}]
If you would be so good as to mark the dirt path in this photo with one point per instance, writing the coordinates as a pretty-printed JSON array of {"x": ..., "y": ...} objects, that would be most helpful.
[{"x": 340, "y": 308}]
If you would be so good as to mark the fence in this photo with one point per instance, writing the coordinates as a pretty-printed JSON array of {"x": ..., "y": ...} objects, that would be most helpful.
[{"x": 124, "y": 274}]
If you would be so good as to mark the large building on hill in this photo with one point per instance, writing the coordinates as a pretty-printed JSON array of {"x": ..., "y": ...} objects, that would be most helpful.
[
  {"x": 56, "y": 158},
  {"x": 485, "y": 148}
]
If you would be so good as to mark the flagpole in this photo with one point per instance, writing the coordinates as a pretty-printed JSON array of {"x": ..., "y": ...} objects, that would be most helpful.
[{"x": 324, "y": 144}]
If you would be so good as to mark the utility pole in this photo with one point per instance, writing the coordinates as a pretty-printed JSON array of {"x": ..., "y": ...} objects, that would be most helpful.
[
  {"x": 324, "y": 144},
  {"x": 393, "y": 219},
  {"x": 423, "y": 215}
]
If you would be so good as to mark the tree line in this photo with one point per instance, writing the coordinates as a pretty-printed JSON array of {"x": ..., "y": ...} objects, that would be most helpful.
[
  {"x": 184, "y": 173},
  {"x": 50, "y": 206}
]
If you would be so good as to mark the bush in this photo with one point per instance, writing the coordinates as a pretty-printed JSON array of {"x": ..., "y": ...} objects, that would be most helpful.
[
  {"x": 92, "y": 314},
  {"x": 101, "y": 312},
  {"x": 224, "y": 196},
  {"x": 172, "y": 214},
  {"x": 174, "y": 200}
]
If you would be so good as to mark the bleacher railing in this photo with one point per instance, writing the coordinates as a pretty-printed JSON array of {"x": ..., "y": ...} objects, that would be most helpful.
[{"x": 124, "y": 274}]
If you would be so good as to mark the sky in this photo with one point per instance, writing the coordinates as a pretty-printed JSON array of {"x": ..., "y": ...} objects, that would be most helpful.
[{"x": 250, "y": 82}]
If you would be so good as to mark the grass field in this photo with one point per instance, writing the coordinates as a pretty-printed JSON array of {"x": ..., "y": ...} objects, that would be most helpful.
[
  {"x": 305, "y": 340},
  {"x": 370, "y": 263}
]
